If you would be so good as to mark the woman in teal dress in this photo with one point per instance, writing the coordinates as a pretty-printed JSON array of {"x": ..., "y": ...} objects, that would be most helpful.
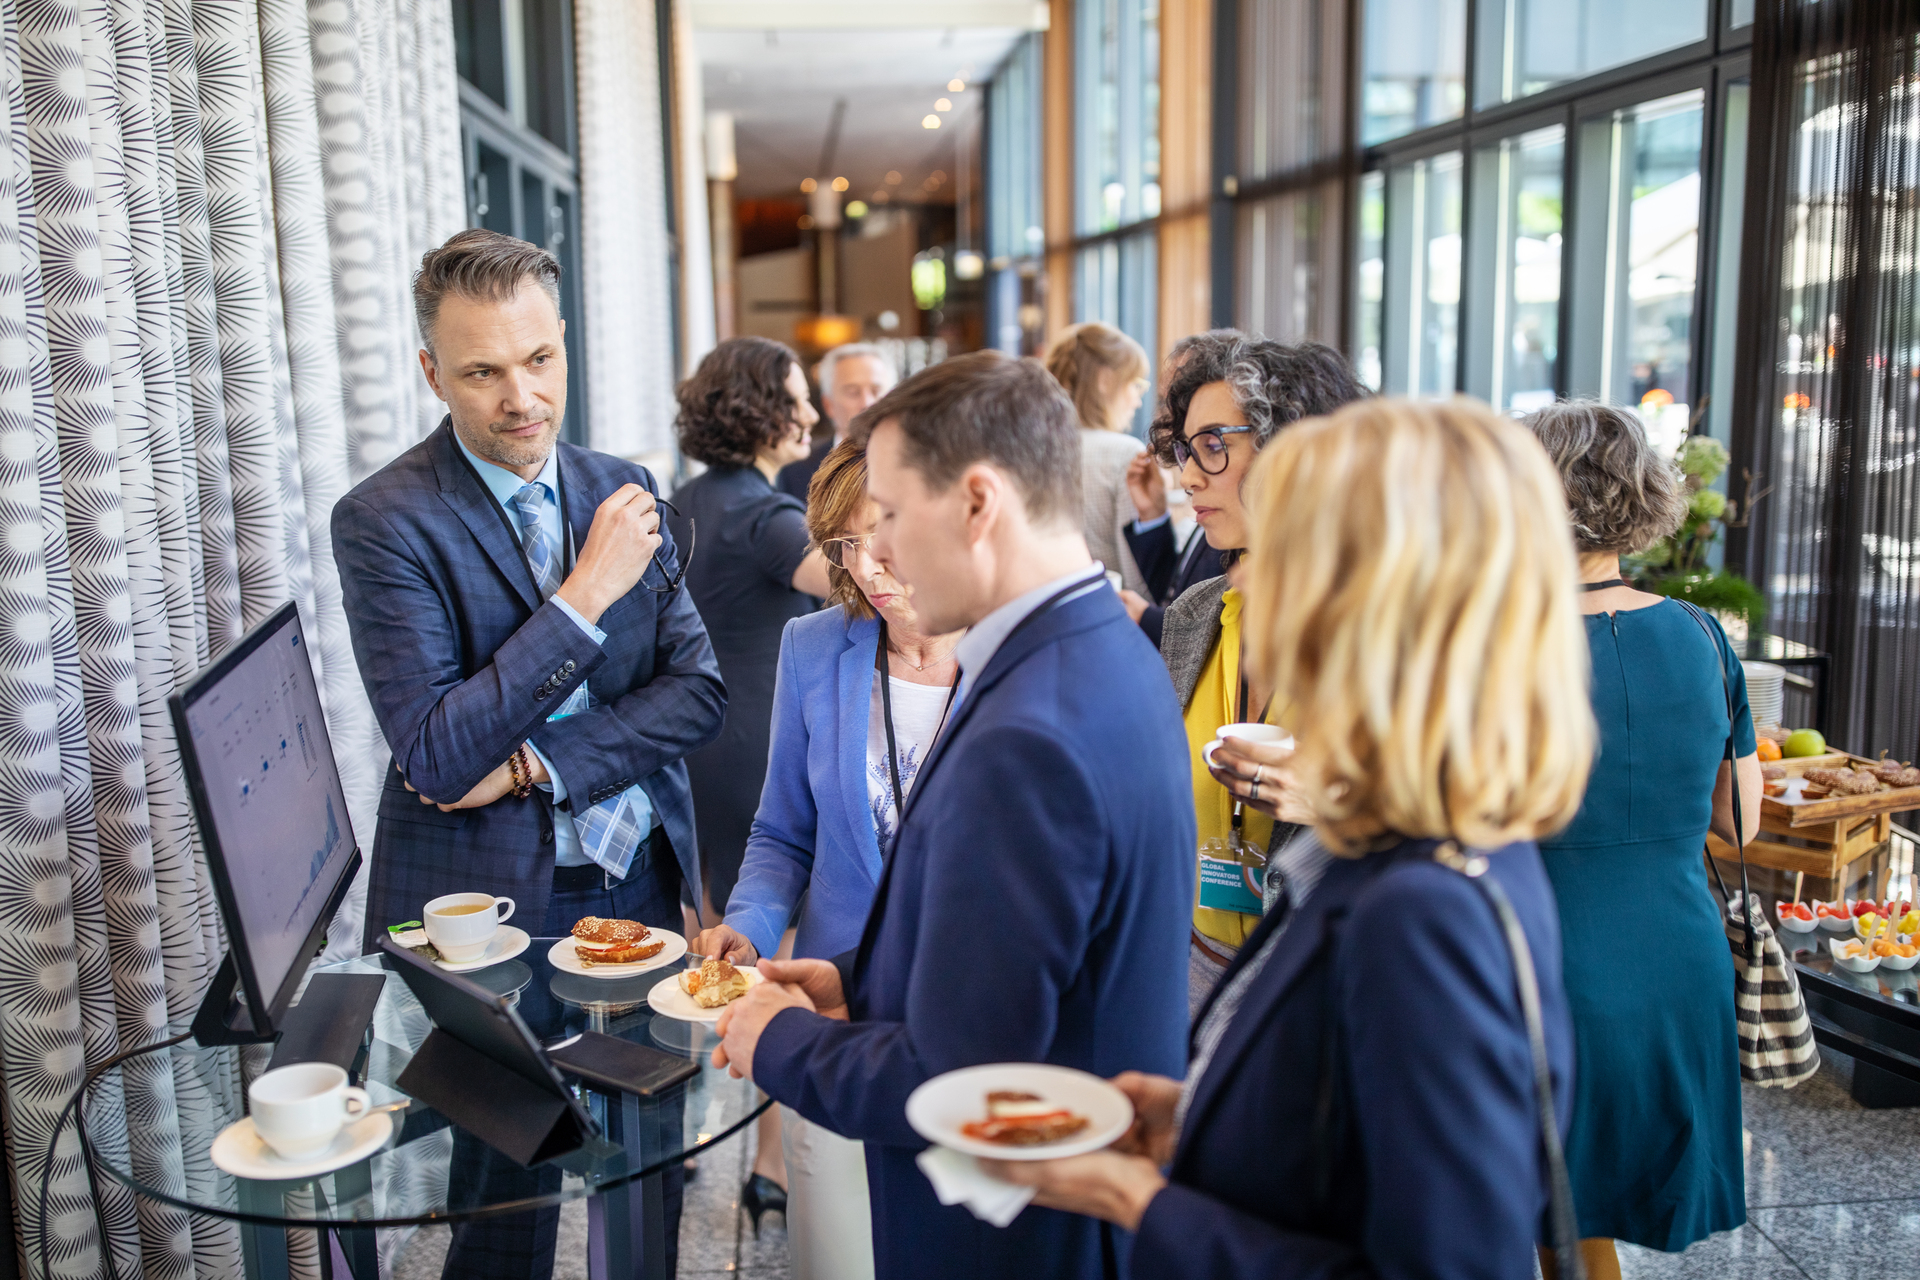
[{"x": 1655, "y": 1150}]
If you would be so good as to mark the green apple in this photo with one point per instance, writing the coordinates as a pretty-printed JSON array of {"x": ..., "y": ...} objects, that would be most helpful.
[{"x": 1804, "y": 742}]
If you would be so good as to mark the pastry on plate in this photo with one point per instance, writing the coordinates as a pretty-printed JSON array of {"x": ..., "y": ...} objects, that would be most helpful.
[
  {"x": 1019, "y": 1119},
  {"x": 714, "y": 983},
  {"x": 597, "y": 940}
]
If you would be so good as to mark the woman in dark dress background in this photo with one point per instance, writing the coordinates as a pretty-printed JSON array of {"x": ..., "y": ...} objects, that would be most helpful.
[
  {"x": 745, "y": 413},
  {"x": 1656, "y": 1150}
]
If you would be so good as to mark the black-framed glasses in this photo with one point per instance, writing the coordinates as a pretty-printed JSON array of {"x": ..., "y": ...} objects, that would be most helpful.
[
  {"x": 686, "y": 558},
  {"x": 1207, "y": 448},
  {"x": 839, "y": 551}
]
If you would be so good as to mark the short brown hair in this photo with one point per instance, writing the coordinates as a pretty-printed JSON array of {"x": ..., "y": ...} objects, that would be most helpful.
[
  {"x": 736, "y": 403},
  {"x": 986, "y": 406},
  {"x": 484, "y": 266},
  {"x": 1080, "y": 355},
  {"x": 835, "y": 500},
  {"x": 1622, "y": 494}
]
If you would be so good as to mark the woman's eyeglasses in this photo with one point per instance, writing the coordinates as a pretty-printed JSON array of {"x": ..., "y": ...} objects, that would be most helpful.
[
  {"x": 1206, "y": 448},
  {"x": 673, "y": 583},
  {"x": 840, "y": 551}
]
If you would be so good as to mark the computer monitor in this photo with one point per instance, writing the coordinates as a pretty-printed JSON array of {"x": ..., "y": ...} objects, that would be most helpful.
[{"x": 273, "y": 818}]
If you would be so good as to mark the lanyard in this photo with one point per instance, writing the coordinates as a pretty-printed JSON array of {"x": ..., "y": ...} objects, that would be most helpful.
[
  {"x": 1239, "y": 818},
  {"x": 886, "y": 709}
]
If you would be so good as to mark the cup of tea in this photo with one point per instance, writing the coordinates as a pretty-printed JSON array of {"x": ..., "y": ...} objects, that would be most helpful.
[
  {"x": 460, "y": 925},
  {"x": 299, "y": 1110},
  {"x": 1246, "y": 733}
]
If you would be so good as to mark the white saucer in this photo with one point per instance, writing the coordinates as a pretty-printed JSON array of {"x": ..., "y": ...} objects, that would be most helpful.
[
  {"x": 507, "y": 943},
  {"x": 667, "y": 997},
  {"x": 242, "y": 1152},
  {"x": 563, "y": 957}
]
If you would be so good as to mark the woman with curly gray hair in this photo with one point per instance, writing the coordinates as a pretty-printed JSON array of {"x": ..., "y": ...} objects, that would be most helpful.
[
  {"x": 1227, "y": 396},
  {"x": 1655, "y": 1148}
]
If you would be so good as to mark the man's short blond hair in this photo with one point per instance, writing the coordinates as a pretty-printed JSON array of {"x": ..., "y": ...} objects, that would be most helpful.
[{"x": 1412, "y": 598}]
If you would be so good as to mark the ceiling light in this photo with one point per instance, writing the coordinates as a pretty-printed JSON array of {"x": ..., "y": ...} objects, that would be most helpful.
[
  {"x": 937, "y": 177},
  {"x": 893, "y": 177},
  {"x": 956, "y": 85},
  {"x": 882, "y": 195},
  {"x": 943, "y": 104},
  {"x": 856, "y": 208},
  {"x": 806, "y": 222},
  {"x": 807, "y": 185},
  {"x": 840, "y": 184},
  {"x": 930, "y": 122}
]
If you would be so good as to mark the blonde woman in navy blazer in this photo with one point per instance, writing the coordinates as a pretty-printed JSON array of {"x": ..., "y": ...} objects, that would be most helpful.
[
  {"x": 1360, "y": 1099},
  {"x": 826, "y": 815}
]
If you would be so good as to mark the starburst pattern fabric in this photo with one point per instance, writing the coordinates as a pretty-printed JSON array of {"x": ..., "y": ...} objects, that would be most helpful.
[{"x": 206, "y": 208}]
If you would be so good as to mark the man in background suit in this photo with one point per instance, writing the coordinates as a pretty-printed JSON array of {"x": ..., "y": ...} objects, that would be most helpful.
[
  {"x": 537, "y": 672},
  {"x": 1034, "y": 906},
  {"x": 851, "y": 377}
]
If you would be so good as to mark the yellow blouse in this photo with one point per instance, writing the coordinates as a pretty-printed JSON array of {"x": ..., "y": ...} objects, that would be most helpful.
[{"x": 1216, "y": 701}]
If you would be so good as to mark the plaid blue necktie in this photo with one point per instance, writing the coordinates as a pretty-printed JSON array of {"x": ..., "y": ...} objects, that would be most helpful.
[{"x": 609, "y": 831}]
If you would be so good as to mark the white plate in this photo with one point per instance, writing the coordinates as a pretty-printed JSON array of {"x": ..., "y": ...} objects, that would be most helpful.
[
  {"x": 507, "y": 943},
  {"x": 1793, "y": 924},
  {"x": 563, "y": 957},
  {"x": 667, "y": 997},
  {"x": 242, "y": 1152},
  {"x": 938, "y": 1108},
  {"x": 1857, "y": 964}
]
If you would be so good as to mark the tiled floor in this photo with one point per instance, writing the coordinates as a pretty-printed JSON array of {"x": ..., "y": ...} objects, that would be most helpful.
[{"x": 1832, "y": 1194}]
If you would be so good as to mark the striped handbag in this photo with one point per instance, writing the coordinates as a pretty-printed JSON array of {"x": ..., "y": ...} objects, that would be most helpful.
[{"x": 1776, "y": 1038}]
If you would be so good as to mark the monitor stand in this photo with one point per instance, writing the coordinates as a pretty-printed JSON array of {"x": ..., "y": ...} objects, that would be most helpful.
[{"x": 328, "y": 1025}]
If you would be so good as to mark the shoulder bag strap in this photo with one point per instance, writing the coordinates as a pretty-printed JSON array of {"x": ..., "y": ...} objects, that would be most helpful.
[
  {"x": 1565, "y": 1222},
  {"x": 1733, "y": 779}
]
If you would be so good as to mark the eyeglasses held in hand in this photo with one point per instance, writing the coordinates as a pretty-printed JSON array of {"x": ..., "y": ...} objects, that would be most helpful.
[
  {"x": 839, "y": 551},
  {"x": 1207, "y": 448},
  {"x": 686, "y": 558}
]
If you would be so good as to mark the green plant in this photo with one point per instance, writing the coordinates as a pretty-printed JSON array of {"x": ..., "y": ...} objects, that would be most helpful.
[{"x": 1678, "y": 565}]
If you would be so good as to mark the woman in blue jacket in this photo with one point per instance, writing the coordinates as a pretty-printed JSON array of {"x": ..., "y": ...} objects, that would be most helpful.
[
  {"x": 846, "y": 746},
  {"x": 1361, "y": 1097}
]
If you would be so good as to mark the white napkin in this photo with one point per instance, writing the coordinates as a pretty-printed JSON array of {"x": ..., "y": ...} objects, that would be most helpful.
[{"x": 959, "y": 1179}]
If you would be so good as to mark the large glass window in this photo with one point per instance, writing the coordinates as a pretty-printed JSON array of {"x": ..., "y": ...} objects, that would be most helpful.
[
  {"x": 1118, "y": 284},
  {"x": 1513, "y": 351},
  {"x": 1015, "y": 229},
  {"x": 1529, "y": 45},
  {"x": 1370, "y": 277},
  {"x": 1636, "y": 261},
  {"x": 1117, "y": 112},
  {"x": 1422, "y": 331},
  {"x": 1415, "y": 66},
  {"x": 1289, "y": 249},
  {"x": 1292, "y": 64}
]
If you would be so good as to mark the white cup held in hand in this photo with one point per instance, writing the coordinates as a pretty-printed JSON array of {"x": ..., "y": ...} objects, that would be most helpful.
[
  {"x": 299, "y": 1110},
  {"x": 1272, "y": 733},
  {"x": 460, "y": 925}
]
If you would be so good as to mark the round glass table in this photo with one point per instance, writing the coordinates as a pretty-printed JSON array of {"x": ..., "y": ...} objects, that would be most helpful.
[{"x": 431, "y": 1170}]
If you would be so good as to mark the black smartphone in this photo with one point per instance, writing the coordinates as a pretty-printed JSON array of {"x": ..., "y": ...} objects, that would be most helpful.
[{"x": 620, "y": 1066}]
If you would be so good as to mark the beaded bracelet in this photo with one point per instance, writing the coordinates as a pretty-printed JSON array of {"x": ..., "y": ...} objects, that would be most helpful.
[{"x": 521, "y": 774}]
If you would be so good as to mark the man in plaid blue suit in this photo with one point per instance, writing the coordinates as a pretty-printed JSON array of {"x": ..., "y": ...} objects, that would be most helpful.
[{"x": 517, "y": 617}]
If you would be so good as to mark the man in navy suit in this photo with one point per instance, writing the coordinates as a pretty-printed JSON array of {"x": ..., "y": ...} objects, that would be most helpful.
[
  {"x": 538, "y": 674},
  {"x": 1034, "y": 906}
]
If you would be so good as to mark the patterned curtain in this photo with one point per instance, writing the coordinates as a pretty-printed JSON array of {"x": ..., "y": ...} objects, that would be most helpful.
[{"x": 207, "y": 212}]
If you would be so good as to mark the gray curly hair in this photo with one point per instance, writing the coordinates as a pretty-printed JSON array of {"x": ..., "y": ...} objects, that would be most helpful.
[
  {"x": 1273, "y": 383},
  {"x": 1623, "y": 496}
]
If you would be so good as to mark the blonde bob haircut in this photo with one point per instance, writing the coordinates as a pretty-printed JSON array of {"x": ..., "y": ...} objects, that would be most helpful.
[{"x": 1412, "y": 598}]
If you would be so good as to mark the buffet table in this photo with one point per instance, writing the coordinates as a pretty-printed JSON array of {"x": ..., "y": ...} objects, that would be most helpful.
[
  {"x": 1873, "y": 1018},
  {"x": 406, "y": 1182}
]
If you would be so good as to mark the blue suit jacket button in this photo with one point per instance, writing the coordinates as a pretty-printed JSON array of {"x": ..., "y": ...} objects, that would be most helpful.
[{"x": 569, "y": 666}]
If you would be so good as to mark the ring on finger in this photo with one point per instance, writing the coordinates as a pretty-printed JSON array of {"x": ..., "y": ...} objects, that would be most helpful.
[
  {"x": 1253, "y": 791},
  {"x": 1259, "y": 774}
]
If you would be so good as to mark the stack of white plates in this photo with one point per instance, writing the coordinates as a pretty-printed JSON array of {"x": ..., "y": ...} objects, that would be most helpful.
[{"x": 1766, "y": 693}]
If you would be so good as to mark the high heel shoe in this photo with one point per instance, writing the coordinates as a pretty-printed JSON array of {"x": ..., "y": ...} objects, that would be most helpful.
[{"x": 760, "y": 1194}]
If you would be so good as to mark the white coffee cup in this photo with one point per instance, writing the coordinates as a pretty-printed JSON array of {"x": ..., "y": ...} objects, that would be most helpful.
[
  {"x": 1271, "y": 733},
  {"x": 298, "y": 1110},
  {"x": 460, "y": 925}
]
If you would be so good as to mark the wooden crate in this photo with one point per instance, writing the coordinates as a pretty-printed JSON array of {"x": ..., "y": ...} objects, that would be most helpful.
[{"x": 1824, "y": 849}]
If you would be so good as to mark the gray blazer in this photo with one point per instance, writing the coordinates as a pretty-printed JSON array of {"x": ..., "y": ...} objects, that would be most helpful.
[{"x": 1188, "y": 633}]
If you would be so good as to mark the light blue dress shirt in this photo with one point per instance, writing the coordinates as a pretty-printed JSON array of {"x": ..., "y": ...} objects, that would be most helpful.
[
  {"x": 984, "y": 638},
  {"x": 503, "y": 485}
]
